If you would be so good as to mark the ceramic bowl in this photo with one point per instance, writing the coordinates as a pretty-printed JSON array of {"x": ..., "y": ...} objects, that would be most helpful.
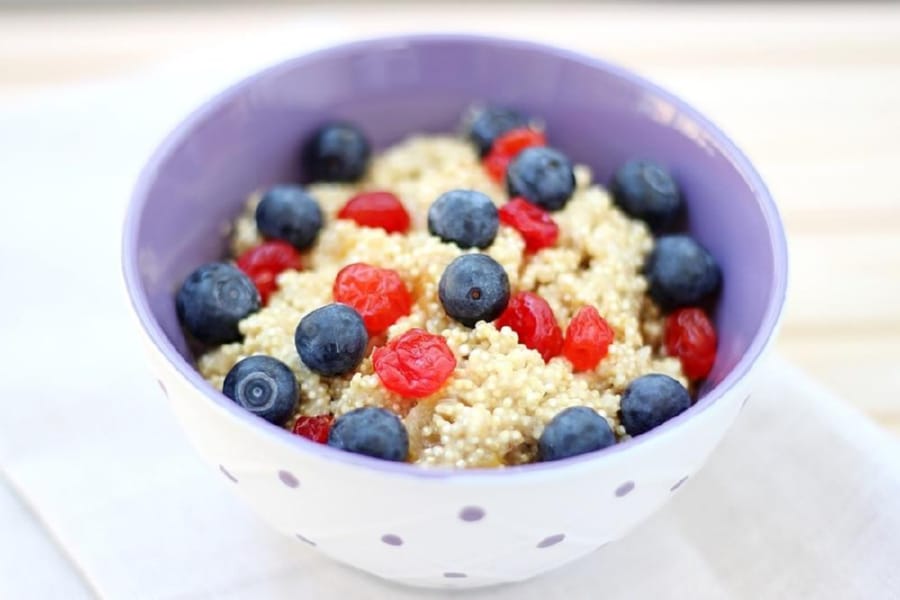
[{"x": 447, "y": 528}]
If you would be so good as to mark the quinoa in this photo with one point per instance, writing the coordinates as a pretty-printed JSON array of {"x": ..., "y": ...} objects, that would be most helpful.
[{"x": 501, "y": 394}]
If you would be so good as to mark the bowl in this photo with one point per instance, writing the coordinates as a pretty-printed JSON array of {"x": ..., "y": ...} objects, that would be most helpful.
[{"x": 442, "y": 527}]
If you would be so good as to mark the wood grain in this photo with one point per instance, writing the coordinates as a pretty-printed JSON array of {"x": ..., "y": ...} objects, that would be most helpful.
[{"x": 810, "y": 91}]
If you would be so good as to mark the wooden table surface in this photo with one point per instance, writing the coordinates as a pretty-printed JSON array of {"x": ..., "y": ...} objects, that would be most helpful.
[{"x": 810, "y": 91}]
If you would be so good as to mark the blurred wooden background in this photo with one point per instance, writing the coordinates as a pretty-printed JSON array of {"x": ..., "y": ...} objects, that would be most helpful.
[{"x": 811, "y": 91}]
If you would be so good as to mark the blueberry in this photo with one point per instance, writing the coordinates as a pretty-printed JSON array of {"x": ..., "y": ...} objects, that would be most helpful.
[
  {"x": 287, "y": 212},
  {"x": 371, "y": 431},
  {"x": 264, "y": 386},
  {"x": 575, "y": 430},
  {"x": 336, "y": 152},
  {"x": 331, "y": 340},
  {"x": 680, "y": 272},
  {"x": 213, "y": 299},
  {"x": 474, "y": 287},
  {"x": 489, "y": 123},
  {"x": 646, "y": 191},
  {"x": 651, "y": 400},
  {"x": 465, "y": 217},
  {"x": 543, "y": 176}
]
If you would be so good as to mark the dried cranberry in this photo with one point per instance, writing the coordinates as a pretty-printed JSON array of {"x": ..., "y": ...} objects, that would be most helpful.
[
  {"x": 531, "y": 317},
  {"x": 377, "y": 209},
  {"x": 378, "y": 295},
  {"x": 507, "y": 146},
  {"x": 690, "y": 335},
  {"x": 588, "y": 337},
  {"x": 495, "y": 165},
  {"x": 314, "y": 428},
  {"x": 533, "y": 223},
  {"x": 415, "y": 364},
  {"x": 263, "y": 263}
]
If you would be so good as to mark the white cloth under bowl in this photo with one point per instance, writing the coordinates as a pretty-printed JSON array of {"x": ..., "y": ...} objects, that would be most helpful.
[{"x": 101, "y": 495}]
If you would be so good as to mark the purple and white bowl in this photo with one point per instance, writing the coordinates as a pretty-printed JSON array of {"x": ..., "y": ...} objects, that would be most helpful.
[{"x": 438, "y": 527}]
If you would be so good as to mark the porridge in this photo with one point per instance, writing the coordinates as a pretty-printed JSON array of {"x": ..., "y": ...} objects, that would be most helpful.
[{"x": 457, "y": 301}]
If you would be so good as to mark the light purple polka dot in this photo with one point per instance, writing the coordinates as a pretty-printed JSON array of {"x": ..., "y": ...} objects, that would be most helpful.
[
  {"x": 227, "y": 474},
  {"x": 625, "y": 488},
  {"x": 551, "y": 540},
  {"x": 453, "y": 575},
  {"x": 305, "y": 539},
  {"x": 392, "y": 540},
  {"x": 471, "y": 513},
  {"x": 162, "y": 386},
  {"x": 678, "y": 483},
  {"x": 288, "y": 479}
]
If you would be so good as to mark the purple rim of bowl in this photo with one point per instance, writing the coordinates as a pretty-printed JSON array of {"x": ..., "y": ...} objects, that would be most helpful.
[{"x": 741, "y": 163}]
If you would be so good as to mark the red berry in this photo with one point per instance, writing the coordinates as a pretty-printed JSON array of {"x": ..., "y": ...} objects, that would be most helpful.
[
  {"x": 515, "y": 140},
  {"x": 263, "y": 263},
  {"x": 536, "y": 226},
  {"x": 507, "y": 146},
  {"x": 415, "y": 364},
  {"x": 495, "y": 165},
  {"x": 691, "y": 337},
  {"x": 531, "y": 317},
  {"x": 314, "y": 428},
  {"x": 378, "y": 295},
  {"x": 377, "y": 209},
  {"x": 265, "y": 284},
  {"x": 588, "y": 337}
]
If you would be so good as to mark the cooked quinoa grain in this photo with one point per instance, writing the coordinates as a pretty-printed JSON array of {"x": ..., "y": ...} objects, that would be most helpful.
[{"x": 501, "y": 395}]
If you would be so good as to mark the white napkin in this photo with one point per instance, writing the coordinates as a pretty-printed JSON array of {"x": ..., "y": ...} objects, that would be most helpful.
[{"x": 101, "y": 495}]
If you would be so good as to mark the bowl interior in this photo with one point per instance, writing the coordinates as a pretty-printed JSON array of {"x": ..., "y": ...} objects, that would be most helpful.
[{"x": 598, "y": 114}]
